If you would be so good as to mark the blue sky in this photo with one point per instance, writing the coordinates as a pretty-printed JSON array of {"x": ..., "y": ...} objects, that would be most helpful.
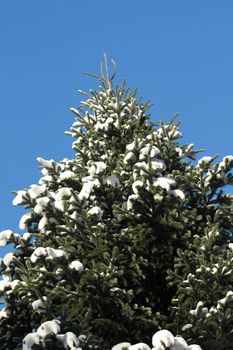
[{"x": 178, "y": 53}]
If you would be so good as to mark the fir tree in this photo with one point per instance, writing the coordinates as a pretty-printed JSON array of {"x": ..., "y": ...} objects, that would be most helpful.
[{"x": 128, "y": 238}]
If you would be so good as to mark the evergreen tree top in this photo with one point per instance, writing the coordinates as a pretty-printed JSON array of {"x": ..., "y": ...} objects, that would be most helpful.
[{"x": 128, "y": 238}]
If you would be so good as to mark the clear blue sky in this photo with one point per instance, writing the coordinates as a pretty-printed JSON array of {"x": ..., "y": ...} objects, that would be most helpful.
[{"x": 179, "y": 54}]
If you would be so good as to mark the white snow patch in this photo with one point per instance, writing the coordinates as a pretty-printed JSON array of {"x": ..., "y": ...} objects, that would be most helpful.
[
  {"x": 35, "y": 191},
  {"x": 49, "y": 253},
  {"x": 42, "y": 223},
  {"x": 49, "y": 327},
  {"x": 204, "y": 161},
  {"x": 39, "y": 304},
  {"x": 129, "y": 157},
  {"x": 41, "y": 203},
  {"x": 87, "y": 188},
  {"x": 4, "y": 284},
  {"x": 164, "y": 182},
  {"x": 111, "y": 180},
  {"x": 68, "y": 339},
  {"x": 61, "y": 193},
  {"x": 76, "y": 265},
  {"x": 4, "y": 313},
  {"x": 19, "y": 199},
  {"x": 97, "y": 168},
  {"x": 8, "y": 258},
  {"x": 148, "y": 150},
  {"x": 158, "y": 164},
  {"x": 29, "y": 340},
  {"x": 95, "y": 211},
  {"x": 46, "y": 163},
  {"x": 163, "y": 339},
  {"x": 24, "y": 219},
  {"x": 68, "y": 174},
  {"x": 121, "y": 346},
  {"x": 137, "y": 184},
  {"x": 187, "y": 326},
  {"x": 177, "y": 193},
  {"x": 5, "y": 236},
  {"x": 179, "y": 344},
  {"x": 227, "y": 160}
]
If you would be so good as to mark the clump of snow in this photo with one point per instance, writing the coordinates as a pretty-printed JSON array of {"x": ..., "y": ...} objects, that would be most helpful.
[
  {"x": 4, "y": 313},
  {"x": 8, "y": 258},
  {"x": 24, "y": 220},
  {"x": 42, "y": 223},
  {"x": 169, "y": 131},
  {"x": 164, "y": 182},
  {"x": 158, "y": 164},
  {"x": 41, "y": 203},
  {"x": 97, "y": 168},
  {"x": 131, "y": 199},
  {"x": 39, "y": 304},
  {"x": 130, "y": 157},
  {"x": 20, "y": 197},
  {"x": 4, "y": 284},
  {"x": 35, "y": 191},
  {"x": 76, "y": 265},
  {"x": 49, "y": 253},
  {"x": 69, "y": 340},
  {"x": 5, "y": 237},
  {"x": 40, "y": 251},
  {"x": 30, "y": 340},
  {"x": 49, "y": 327},
  {"x": 180, "y": 344},
  {"x": 46, "y": 163},
  {"x": 95, "y": 211},
  {"x": 222, "y": 302},
  {"x": 136, "y": 185},
  {"x": 199, "y": 308},
  {"x": 226, "y": 162},
  {"x": 87, "y": 188},
  {"x": 177, "y": 193},
  {"x": 62, "y": 192},
  {"x": 162, "y": 339},
  {"x": 148, "y": 150},
  {"x": 68, "y": 174},
  {"x": 187, "y": 326},
  {"x": 111, "y": 180},
  {"x": 204, "y": 161}
]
